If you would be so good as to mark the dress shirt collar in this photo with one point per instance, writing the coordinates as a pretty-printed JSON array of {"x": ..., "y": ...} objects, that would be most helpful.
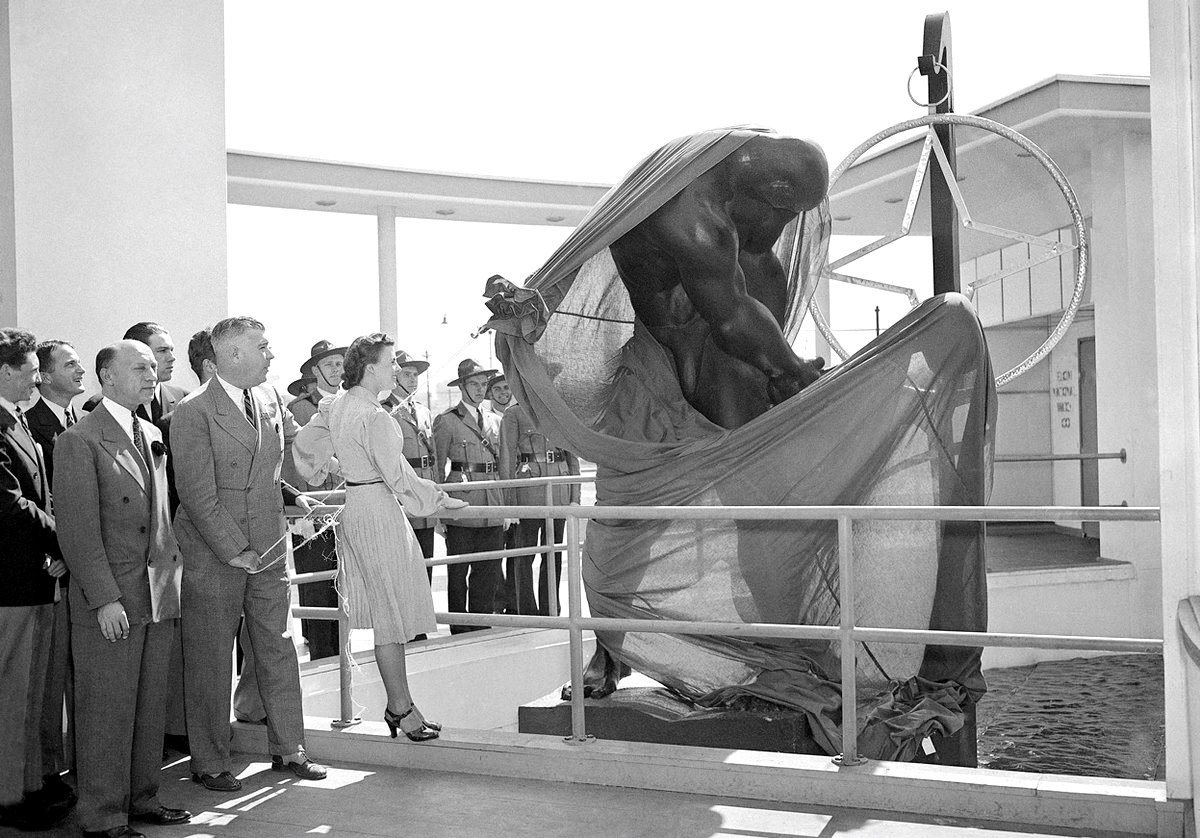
[
  {"x": 471, "y": 409},
  {"x": 123, "y": 415},
  {"x": 9, "y": 406},
  {"x": 59, "y": 412},
  {"x": 235, "y": 393}
]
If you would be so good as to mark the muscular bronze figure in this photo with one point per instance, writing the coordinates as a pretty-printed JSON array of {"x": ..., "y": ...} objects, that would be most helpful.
[{"x": 701, "y": 275}]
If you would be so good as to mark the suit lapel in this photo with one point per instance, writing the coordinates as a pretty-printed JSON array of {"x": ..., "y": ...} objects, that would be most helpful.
[
  {"x": 231, "y": 417},
  {"x": 24, "y": 440},
  {"x": 117, "y": 443}
]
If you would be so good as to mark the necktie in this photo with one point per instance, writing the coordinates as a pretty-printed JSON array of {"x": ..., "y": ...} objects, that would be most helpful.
[
  {"x": 248, "y": 406},
  {"x": 68, "y": 417},
  {"x": 138, "y": 440},
  {"x": 24, "y": 424}
]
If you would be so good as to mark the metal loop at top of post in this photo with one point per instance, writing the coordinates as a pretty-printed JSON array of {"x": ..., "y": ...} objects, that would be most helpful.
[{"x": 937, "y": 67}]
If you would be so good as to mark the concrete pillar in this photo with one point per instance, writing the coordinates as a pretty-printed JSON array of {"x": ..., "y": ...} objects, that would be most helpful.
[
  {"x": 1175, "y": 115},
  {"x": 117, "y": 165},
  {"x": 1127, "y": 394},
  {"x": 389, "y": 314}
]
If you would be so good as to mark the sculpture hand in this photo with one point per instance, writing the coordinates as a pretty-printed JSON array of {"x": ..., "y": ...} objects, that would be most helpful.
[{"x": 780, "y": 388}]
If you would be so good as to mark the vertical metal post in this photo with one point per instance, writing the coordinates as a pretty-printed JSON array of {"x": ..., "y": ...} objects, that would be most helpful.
[
  {"x": 934, "y": 62},
  {"x": 849, "y": 755},
  {"x": 345, "y": 685},
  {"x": 551, "y": 602},
  {"x": 575, "y": 631}
]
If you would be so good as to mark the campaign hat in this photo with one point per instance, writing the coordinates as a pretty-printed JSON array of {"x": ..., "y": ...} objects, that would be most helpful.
[
  {"x": 298, "y": 387},
  {"x": 470, "y": 368},
  {"x": 403, "y": 359},
  {"x": 321, "y": 350}
]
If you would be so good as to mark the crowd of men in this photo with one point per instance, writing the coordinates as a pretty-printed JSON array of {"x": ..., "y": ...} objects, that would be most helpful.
[{"x": 146, "y": 533}]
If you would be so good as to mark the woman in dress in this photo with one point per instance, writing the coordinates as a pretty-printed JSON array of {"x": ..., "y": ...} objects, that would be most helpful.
[{"x": 382, "y": 569}]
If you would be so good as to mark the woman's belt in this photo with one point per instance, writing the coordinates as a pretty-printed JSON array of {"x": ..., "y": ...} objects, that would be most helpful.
[
  {"x": 364, "y": 483},
  {"x": 554, "y": 455},
  {"x": 477, "y": 468},
  {"x": 421, "y": 462}
]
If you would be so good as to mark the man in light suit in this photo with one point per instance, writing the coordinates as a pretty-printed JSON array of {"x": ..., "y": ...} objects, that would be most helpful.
[
  {"x": 114, "y": 526},
  {"x": 31, "y": 561},
  {"x": 227, "y": 441}
]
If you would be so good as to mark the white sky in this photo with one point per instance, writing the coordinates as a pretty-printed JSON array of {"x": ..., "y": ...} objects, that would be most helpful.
[{"x": 575, "y": 92}]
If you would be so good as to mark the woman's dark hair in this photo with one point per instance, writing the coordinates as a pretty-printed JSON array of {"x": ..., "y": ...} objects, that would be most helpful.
[{"x": 365, "y": 350}]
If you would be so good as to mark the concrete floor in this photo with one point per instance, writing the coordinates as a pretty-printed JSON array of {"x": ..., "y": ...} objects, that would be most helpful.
[{"x": 361, "y": 800}]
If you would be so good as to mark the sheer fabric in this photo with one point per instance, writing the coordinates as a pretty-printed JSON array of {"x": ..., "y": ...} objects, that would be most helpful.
[{"x": 908, "y": 420}]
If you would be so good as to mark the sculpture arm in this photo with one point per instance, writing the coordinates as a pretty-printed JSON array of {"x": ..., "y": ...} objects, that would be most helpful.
[{"x": 702, "y": 240}]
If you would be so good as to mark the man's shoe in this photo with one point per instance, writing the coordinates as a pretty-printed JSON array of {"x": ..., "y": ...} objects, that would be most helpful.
[
  {"x": 122, "y": 831},
  {"x": 30, "y": 815},
  {"x": 163, "y": 816},
  {"x": 56, "y": 792},
  {"x": 305, "y": 768},
  {"x": 218, "y": 782}
]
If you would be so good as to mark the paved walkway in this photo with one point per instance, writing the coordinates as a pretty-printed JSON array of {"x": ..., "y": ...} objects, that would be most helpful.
[{"x": 359, "y": 800}]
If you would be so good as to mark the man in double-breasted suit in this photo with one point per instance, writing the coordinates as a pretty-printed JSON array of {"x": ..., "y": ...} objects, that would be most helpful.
[
  {"x": 114, "y": 525},
  {"x": 465, "y": 443},
  {"x": 31, "y": 561},
  {"x": 227, "y": 441}
]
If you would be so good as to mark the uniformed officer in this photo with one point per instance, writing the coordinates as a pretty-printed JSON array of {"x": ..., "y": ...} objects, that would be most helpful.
[
  {"x": 527, "y": 452},
  {"x": 416, "y": 425},
  {"x": 466, "y": 444}
]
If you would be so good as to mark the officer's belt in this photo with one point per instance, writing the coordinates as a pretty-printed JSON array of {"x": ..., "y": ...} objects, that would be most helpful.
[
  {"x": 420, "y": 462},
  {"x": 556, "y": 455},
  {"x": 477, "y": 468}
]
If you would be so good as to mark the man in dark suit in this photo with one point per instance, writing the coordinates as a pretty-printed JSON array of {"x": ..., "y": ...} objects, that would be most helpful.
[
  {"x": 228, "y": 440},
  {"x": 115, "y": 530},
  {"x": 50, "y": 414},
  {"x": 166, "y": 395},
  {"x": 31, "y": 563}
]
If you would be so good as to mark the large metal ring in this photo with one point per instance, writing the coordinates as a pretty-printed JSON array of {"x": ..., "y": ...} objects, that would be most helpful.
[
  {"x": 1060, "y": 179},
  {"x": 939, "y": 67}
]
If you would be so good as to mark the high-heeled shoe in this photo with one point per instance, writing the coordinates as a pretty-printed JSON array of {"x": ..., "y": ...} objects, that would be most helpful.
[
  {"x": 431, "y": 725},
  {"x": 421, "y": 734}
]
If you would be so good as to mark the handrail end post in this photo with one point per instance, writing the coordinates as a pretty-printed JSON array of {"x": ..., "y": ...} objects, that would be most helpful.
[{"x": 850, "y": 762}]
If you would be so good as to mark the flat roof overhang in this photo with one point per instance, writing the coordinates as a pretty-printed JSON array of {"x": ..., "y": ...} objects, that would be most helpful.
[
  {"x": 266, "y": 180},
  {"x": 1068, "y": 117}
]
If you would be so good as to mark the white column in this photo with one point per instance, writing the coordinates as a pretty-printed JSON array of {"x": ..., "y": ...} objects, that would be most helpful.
[
  {"x": 1174, "y": 92},
  {"x": 118, "y": 169},
  {"x": 389, "y": 315},
  {"x": 8, "y": 232}
]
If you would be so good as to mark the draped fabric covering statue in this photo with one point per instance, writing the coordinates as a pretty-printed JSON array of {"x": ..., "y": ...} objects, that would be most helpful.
[{"x": 908, "y": 420}]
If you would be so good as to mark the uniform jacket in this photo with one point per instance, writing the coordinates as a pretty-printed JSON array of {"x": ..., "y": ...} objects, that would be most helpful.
[
  {"x": 417, "y": 427},
  {"x": 25, "y": 519},
  {"x": 457, "y": 439},
  {"x": 527, "y": 452},
  {"x": 114, "y": 522},
  {"x": 227, "y": 475}
]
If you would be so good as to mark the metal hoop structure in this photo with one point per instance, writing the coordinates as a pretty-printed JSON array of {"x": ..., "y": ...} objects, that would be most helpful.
[
  {"x": 1054, "y": 249},
  {"x": 938, "y": 67}
]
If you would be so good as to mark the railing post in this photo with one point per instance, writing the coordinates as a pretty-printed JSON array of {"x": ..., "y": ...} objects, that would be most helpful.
[
  {"x": 548, "y": 559},
  {"x": 849, "y": 755},
  {"x": 345, "y": 684},
  {"x": 575, "y": 632}
]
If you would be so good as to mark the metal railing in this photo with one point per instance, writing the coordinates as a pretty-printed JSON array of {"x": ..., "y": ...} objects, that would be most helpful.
[
  {"x": 1048, "y": 458},
  {"x": 847, "y": 632}
]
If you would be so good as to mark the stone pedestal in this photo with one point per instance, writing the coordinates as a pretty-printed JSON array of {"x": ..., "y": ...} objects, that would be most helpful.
[{"x": 649, "y": 714}]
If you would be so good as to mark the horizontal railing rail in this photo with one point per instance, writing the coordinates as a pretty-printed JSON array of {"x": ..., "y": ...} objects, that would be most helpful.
[
  {"x": 847, "y": 632},
  {"x": 1045, "y": 458}
]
